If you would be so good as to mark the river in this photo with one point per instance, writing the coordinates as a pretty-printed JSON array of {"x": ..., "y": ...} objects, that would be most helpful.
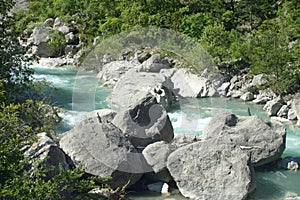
[{"x": 271, "y": 183}]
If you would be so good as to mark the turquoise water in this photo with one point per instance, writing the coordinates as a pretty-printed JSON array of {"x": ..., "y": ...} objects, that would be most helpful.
[
  {"x": 64, "y": 79},
  {"x": 188, "y": 117}
]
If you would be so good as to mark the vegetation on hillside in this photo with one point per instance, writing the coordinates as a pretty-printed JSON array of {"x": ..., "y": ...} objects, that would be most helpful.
[
  {"x": 262, "y": 35},
  {"x": 21, "y": 118}
]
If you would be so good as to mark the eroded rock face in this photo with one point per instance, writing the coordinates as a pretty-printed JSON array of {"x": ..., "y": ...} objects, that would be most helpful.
[
  {"x": 219, "y": 172},
  {"x": 145, "y": 122},
  {"x": 263, "y": 140},
  {"x": 48, "y": 152},
  {"x": 104, "y": 151}
]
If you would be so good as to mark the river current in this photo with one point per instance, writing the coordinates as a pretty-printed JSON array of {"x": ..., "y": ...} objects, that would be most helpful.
[{"x": 270, "y": 183}]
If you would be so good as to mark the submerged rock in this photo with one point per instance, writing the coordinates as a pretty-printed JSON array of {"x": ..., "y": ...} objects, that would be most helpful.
[
  {"x": 212, "y": 169},
  {"x": 263, "y": 140},
  {"x": 289, "y": 163},
  {"x": 104, "y": 151}
]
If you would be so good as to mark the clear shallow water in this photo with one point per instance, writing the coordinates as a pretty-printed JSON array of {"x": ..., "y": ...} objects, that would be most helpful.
[
  {"x": 64, "y": 79},
  {"x": 189, "y": 117}
]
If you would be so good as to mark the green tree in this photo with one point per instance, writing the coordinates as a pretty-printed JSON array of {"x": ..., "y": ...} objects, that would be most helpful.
[
  {"x": 272, "y": 53},
  {"x": 14, "y": 72}
]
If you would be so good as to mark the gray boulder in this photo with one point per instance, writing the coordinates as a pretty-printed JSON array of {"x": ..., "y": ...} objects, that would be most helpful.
[
  {"x": 291, "y": 114},
  {"x": 154, "y": 64},
  {"x": 283, "y": 112},
  {"x": 184, "y": 139},
  {"x": 142, "y": 56},
  {"x": 212, "y": 169},
  {"x": 156, "y": 155},
  {"x": 258, "y": 80},
  {"x": 104, "y": 115},
  {"x": 248, "y": 96},
  {"x": 263, "y": 97},
  {"x": 114, "y": 70},
  {"x": 224, "y": 88},
  {"x": 296, "y": 107},
  {"x": 263, "y": 140},
  {"x": 40, "y": 37},
  {"x": 186, "y": 84},
  {"x": 104, "y": 151},
  {"x": 45, "y": 151},
  {"x": 272, "y": 107},
  {"x": 145, "y": 122},
  {"x": 234, "y": 94},
  {"x": 134, "y": 86}
]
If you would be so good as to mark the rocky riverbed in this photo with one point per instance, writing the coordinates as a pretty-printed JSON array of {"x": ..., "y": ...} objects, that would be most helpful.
[{"x": 135, "y": 143}]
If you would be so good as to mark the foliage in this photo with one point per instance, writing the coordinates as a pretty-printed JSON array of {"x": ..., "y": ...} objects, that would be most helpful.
[
  {"x": 57, "y": 42},
  {"x": 237, "y": 34},
  {"x": 274, "y": 50},
  {"x": 21, "y": 118},
  {"x": 67, "y": 184},
  {"x": 14, "y": 73},
  {"x": 19, "y": 123}
]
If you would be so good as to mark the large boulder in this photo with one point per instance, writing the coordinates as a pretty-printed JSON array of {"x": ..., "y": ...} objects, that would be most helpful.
[
  {"x": 248, "y": 96},
  {"x": 155, "y": 63},
  {"x": 156, "y": 155},
  {"x": 186, "y": 84},
  {"x": 212, "y": 169},
  {"x": 39, "y": 38},
  {"x": 291, "y": 114},
  {"x": 263, "y": 140},
  {"x": 114, "y": 70},
  {"x": 272, "y": 107},
  {"x": 224, "y": 88},
  {"x": 104, "y": 152},
  {"x": 104, "y": 115},
  {"x": 134, "y": 85},
  {"x": 45, "y": 151},
  {"x": 283, "y": 112},
  {"x": 296, "y": 108},
  {"x": 264, "y": 96},
  {"x": 145, "y": 122}
]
